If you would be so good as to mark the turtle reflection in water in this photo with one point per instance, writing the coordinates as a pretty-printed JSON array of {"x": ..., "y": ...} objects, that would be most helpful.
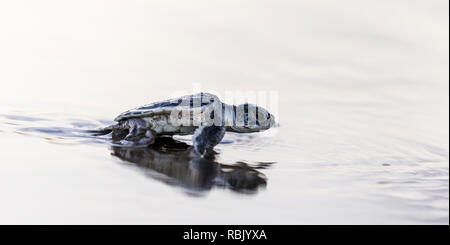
[{"x": 174, "y": 162}]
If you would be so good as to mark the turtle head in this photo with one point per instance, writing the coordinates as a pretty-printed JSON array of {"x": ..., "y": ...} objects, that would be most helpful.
[{"x": 252, "y": 118}]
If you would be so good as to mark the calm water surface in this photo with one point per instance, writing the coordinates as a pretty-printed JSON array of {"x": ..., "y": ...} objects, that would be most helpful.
[{"x": 363, "y": 112}]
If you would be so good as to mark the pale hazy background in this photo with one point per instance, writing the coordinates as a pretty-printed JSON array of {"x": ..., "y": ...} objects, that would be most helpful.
[{"x": 360, "y": 83}]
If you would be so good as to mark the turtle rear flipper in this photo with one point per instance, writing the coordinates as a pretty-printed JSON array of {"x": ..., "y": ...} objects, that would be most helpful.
[
  {"x": 206, "y": 137},
  {"x": 147, "y": 138},
  {"x": 135, "y": 131}
]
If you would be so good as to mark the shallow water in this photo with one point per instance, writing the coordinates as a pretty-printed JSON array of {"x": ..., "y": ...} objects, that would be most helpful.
[{"x": 362, "y": 105}]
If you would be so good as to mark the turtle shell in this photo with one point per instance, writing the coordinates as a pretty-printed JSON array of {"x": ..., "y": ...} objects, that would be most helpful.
[{"x": 200, "y": 102}]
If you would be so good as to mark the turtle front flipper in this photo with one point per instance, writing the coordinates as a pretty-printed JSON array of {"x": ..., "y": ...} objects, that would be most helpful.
[{"x": 206, "y": 137}]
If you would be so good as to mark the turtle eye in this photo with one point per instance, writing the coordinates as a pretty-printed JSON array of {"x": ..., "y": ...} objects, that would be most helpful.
[
  {"x": 257, "y": 116},
  {"x": 268, "y": 115}
]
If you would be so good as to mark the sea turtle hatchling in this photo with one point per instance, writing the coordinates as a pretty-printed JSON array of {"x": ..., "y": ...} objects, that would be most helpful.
[{"x": 202, "y": 115}]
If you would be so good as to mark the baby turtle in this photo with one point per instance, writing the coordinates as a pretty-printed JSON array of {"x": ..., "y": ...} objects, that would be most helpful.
[{"x": 202, "y": 115}]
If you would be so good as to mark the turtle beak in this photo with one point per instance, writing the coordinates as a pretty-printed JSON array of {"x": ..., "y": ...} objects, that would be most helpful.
[{"x": 273, "y": 123}]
